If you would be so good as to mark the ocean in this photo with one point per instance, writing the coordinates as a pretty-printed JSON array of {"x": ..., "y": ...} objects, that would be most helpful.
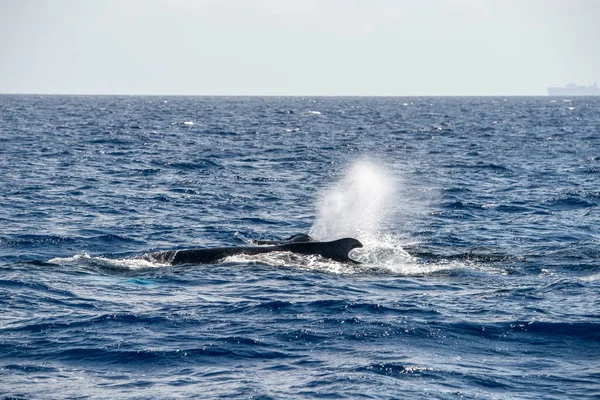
[{"x": 479, "y": 275}]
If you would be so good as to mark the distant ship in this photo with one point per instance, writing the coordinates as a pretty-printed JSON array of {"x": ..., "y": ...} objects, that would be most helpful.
[{"x": 573, "y": 90}]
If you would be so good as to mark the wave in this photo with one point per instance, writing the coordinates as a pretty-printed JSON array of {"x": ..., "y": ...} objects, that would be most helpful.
[
  {"x": 520, "y": 330},
  {"x": 19, "y": 241},
  {"x": 34, "y": 286},
  {"x": 570, "y": 201},
  {"x": 481, "y": 166},
  {"x": 332, "y": 307}
]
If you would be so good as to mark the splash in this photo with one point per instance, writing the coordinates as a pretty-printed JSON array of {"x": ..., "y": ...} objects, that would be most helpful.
[{"x": 356, "y": 205}]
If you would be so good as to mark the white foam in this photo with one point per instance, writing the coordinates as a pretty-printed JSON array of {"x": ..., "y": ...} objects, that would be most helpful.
[
  {"x": 129, "y": 263},
  {"x": 68, "y": 260},
  {"x": 109, "y": 263},
  {"x": 384, "y": 257},
  {"x": 591, "y": 278},
  {"x": 302, "y": 262}
]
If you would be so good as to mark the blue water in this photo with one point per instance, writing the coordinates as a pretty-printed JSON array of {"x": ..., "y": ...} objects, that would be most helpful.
[{"x": 481, "y": 266}]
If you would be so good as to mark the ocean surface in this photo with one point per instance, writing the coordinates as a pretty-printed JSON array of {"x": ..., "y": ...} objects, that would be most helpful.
[{"x": 480, "y": 273}]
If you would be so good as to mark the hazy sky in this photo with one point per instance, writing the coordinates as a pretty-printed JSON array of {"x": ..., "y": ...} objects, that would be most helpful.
[{"x": 298, "y": 47}]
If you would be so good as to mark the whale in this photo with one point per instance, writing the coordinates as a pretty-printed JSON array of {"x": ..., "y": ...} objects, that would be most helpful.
[
  {"x": 297, "y": 238},
  {"x": 336, "y": 250}
]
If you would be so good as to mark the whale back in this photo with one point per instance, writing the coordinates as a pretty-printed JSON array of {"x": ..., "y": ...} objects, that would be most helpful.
[
  {"x": 336, "y": 250},
  {"x": 298, "y": 238}
]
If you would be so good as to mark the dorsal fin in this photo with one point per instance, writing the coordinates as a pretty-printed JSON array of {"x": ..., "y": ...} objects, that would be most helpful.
[{"x": 342, "y": 247}]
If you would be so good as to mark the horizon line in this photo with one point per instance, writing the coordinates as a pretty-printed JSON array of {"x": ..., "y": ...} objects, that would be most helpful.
[{"x": 268, "y": 95}]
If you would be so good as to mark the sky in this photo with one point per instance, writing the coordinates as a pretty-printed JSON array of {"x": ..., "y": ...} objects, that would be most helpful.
[{"x": 298, "y": 47}]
